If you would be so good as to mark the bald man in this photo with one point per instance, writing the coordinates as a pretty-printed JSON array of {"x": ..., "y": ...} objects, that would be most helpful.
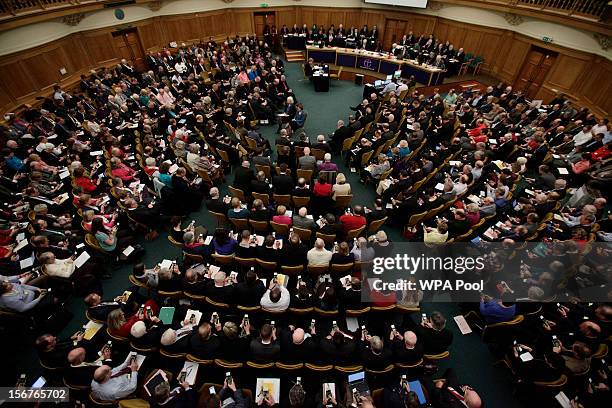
[
  {"x": 80, "y": 372},
  {"x": 406, "y": 348},
  {"x": 297, "y": 346},
  {"x": 449, "y": 393},
  {"x": 110, "y": 384}
]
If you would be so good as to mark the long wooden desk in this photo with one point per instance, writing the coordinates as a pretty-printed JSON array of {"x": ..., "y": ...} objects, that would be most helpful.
[{"x": 376, "y": 64}]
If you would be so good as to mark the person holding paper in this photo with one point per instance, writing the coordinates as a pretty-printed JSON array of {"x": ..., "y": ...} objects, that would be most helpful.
[{"x": 111, "y": 384}]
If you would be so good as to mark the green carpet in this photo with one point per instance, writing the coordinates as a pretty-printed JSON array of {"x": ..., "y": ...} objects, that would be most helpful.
[{"x": 469, "y": 355}]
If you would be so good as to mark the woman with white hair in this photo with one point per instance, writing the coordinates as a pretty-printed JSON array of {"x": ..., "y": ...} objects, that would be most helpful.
[{"x": 150, "y": 166}]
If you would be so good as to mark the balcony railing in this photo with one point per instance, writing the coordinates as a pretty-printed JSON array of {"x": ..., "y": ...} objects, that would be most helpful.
[
  {"x": 21, "y": 7},
  {"x": 594, "y": 9}
]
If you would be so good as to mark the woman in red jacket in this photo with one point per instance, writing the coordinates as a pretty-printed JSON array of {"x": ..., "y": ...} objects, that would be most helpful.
[
  {"x": 119, "y": 326},
  {"x": 81, "y": 180}
]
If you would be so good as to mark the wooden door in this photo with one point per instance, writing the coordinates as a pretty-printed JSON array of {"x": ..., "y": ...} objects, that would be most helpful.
[
  {"x": 261, "y": 20},
  {"x": 127, "y": 42},
  {"x": 535, "y": 68}
]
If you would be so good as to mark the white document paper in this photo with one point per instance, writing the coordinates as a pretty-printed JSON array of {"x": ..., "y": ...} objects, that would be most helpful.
[
  {"x": 463, "y": 325},
  {"x": 81, "y": 259},
  {"x": 127, "y": 251},
  {"x": 191, "y": 368}
]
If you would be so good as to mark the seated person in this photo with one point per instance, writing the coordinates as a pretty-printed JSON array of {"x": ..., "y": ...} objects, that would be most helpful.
[
  {"x": 436, "y": 338},
  {"x": 250, "y": 291},
  {"x": 111, "y": 384},
  {"x": 406, "y": 349},
  {"x": 18, "y": 297},
  {"x": 373, "y": 353},
  {"x": 191, "y": 245},
  {"x": 318, "y": 255},
  {"x": 236, "y": 210},
  {"x": 281, "y": 217},
  {"x": 265, "y": 348},
  {"x": 203, "y": 343},
  {"x": 222, "y": 243},
  {"x": 276, "y": 298}
]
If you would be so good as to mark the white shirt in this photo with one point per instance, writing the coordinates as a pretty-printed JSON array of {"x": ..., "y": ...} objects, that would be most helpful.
[
  {"x": 115, "y": 388},
  {"x": 582, "y": 138},
  {"x": 281, "y": 305},
  {"x": 318, "y": 257}
]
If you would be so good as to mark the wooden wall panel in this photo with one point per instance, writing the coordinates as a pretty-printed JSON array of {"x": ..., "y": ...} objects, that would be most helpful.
[
  {"x": 243, "y": 22},
  {"x": 76, "y": 53},
  {"x": 220, "y": 25},
  {"x": 514, "y": 60},
  {"x": 307, "y": 17},
  {"x": 17, "y": 82},
  {"x": 352, "y": 19},
  {"x": 336, "y": 18},
  {"x": 566, "y": 72},
  {"x": 5, "y": 99},
  {"x": 285, "y": 16},
  {"x": 101, "y": 47},
  {"x": 597, "y": 87},
  {"x": 320, "y": 17}
]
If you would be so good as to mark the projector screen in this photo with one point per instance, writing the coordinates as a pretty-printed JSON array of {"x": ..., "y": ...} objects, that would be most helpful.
[{"x": 404, "y": 3}]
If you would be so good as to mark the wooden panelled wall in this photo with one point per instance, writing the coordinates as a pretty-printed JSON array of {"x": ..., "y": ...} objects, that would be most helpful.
[{"x": 31, "y": 73}]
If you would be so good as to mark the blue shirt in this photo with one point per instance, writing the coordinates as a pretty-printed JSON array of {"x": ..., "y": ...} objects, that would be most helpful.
[
  {"x": 224, "y": 249},
  {"x": 166, "y": 179},
  {"x": 101, "y": 237},
  {"x": 494, "y": 312},
  {"x": 14, "y": 163}
]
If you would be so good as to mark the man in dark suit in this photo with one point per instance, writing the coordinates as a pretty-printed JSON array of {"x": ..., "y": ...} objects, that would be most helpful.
[
  {"x": 218, "y": 291},
  {"x": 260, "y": 185},
  {"x": 448, "y": 392},
  {"x": 216, "y": 203},
  {"x": 406, "y": 348},
  {"x": 374, "y": 354},
  {"x": 338, "y": 348},
  {"x": 283, "y": 182},
  {"x": 301, "y": 190},
  {"x": 296, "y": 347},
  {"x": 243, "y": 177},
  {"x": 203, "y": 343},
  {"x": 434, "y": 335}
]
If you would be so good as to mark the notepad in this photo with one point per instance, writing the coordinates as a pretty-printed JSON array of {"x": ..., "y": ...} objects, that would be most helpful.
[
  {"x": 156, "y": 379},
  {"x": 193, "y": 316},
  {"x": 64, "y": 174},
  {"x": 439, "y": 186},
  {"x": 96, "y": 153},
  {"x": 191, "y": 370},
  {"x": 20, "y": 245},
  {"x": 165, "y": 264},
  {"x": 463, "y": 325},
  {"x": 563, "y": 400},
  {"x": 526, "y": 356},
  {"x": 90, "y": 329},
  {"x": 80, "y": 261},
  {"x": 268, "y": 385},
  {"x": 166, "y": 314},
  {"x": 127, "y": 251},
  {"x": 27, "y": 262},
  {"x": 173, "y": 168},
  {"x": 562, "y": 170}
]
